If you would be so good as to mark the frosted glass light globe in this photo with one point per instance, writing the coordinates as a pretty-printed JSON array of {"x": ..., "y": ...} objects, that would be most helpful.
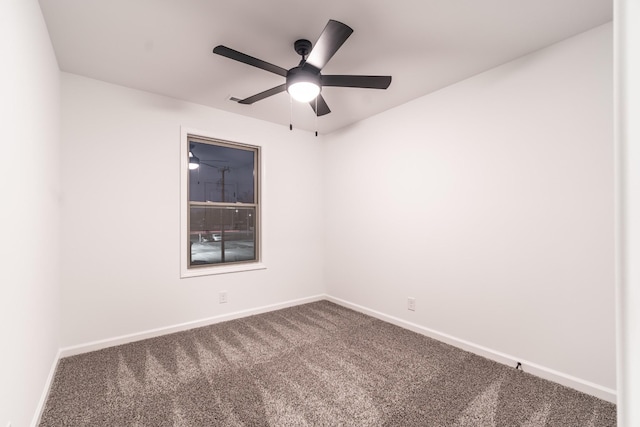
[{"x": 304, "y": 91}]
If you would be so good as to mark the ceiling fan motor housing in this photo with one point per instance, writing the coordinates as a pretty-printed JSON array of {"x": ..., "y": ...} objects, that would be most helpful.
[
  {"x": 302, "y": 47},
  {"x": 298, "y": 74}
]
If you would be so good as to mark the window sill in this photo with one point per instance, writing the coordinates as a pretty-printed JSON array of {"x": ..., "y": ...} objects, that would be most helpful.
[{"x": 226, "y": 269}]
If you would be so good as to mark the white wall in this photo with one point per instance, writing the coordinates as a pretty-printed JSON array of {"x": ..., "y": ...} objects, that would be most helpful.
[
  {"x": 627, "y": 70},
  {"x": 121, "y": 213},
  {"x": 30, "y": 213},
  {"x": 491, "y": 203}
]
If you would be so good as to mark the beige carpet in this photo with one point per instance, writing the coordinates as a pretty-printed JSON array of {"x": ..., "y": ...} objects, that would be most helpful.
[{"x": 317, "y": 364}]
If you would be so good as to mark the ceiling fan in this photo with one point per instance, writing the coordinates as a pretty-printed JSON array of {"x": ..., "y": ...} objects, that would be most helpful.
[{"x": 305, "y": 81}]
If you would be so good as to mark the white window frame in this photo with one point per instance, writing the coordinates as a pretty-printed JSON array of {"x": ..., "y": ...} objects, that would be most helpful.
[{"x": 185, "y": 270}]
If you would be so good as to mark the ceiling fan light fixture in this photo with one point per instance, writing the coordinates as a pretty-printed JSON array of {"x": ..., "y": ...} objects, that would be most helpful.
[
  {"x": 304, "y": 91},
  {"x": 303, "y": 86}
]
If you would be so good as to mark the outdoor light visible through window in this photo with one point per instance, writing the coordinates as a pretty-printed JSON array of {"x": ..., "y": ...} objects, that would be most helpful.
[
  {"x": 194, "y": 162},
  {"x": 304, "y": 91}
]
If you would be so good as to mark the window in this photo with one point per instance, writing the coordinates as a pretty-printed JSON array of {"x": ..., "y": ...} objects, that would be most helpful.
[{"x": 222, "y": 205}]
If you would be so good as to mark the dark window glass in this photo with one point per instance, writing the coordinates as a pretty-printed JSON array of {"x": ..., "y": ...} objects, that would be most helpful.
[
  {"x": 222, "y": 234},
  {"x": 223, "y": 210},
  {"x": 225, "y": 174}
]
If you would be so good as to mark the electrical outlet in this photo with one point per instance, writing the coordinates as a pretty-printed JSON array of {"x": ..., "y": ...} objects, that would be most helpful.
[
  {"x": 223, "y": 297},
  {"x": 411, "y": 304}
]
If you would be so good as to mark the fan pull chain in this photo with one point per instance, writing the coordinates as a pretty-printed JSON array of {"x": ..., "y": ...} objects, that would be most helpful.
[
  {"x": 317, "y": 116},
  {"x": 290, "y": 113}
]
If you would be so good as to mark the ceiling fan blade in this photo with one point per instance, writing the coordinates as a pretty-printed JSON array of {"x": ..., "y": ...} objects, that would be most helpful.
[
  {"x": 332, "y": 37},
  {"x": 323, "y": 108},
  {"x": 367, "y": 82},
  {"x": 262, "y": 95},
  {"x": 209, "y": 164},
  {"x": 250, "y": 60}
]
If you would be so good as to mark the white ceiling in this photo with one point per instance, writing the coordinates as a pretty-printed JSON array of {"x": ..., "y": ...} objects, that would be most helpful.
[{"x": 165, "y": 46}]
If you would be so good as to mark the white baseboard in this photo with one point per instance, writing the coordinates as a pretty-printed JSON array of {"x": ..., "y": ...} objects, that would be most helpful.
[
  {"x": 506, "y": 359},
  {"x": 45, "y": 391},
  {"x": 152, "y": 333}
]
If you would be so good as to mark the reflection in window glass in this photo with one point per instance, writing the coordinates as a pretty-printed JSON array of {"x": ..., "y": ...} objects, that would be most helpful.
[
  {"x": 223, "y": 209},
  {"x": 225, "y": 174}
]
